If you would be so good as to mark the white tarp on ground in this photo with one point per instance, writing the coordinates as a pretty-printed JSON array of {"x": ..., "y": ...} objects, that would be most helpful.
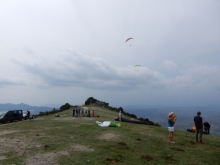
[{"x": 108, "y": 124}]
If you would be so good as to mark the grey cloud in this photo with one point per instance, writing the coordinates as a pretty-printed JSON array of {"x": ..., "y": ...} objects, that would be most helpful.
[
  {"x": 169, "y": 64},
  {"x": 200, "y": 76},
  {"x": 29, "y": 51},
  {"x": 74, "y": 69},
  {"x": 7, "y": 80}
]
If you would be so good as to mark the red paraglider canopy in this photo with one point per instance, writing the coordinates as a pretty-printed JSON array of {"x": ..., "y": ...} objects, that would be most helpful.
[{"x": 128, "y": 39}]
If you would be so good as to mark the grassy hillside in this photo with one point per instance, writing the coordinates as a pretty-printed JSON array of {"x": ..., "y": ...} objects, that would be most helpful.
[{"x": 68, "y": 140}]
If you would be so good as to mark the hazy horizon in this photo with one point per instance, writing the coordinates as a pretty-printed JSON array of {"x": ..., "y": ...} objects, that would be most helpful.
[{"x": 140, "y": 106}]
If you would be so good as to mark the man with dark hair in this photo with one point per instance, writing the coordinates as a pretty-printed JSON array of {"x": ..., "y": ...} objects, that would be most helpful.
[
  {"x": 199, "y": 127},
  {"x": 206, "y": 127}
]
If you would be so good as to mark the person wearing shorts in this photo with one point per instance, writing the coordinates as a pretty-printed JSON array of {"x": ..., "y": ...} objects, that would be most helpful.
[{"x": 170, "y": 128}]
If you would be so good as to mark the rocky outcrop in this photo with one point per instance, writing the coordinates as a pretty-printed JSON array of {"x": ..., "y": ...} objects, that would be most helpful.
[{"x": 92, "y": 100}]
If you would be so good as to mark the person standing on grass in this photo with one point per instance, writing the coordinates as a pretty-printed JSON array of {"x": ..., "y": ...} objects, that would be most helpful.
[
  {"x": 82, "y": 112},
  {"x": 171, "y": 121},
  {"x": 199, "y": 127},
  {"x": 88, "y": 113},
  {"x": 119, "y": 115},
  {"x": 74, "y": 112},
  {"x": 28, "y": 115},
  {"x": 79, "y": 112}
]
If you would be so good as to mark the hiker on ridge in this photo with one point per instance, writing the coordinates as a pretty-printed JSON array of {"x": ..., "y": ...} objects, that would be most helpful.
[{"x": 199, "y": 127}]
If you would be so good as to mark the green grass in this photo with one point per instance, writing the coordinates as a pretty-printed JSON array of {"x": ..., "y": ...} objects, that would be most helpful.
[{"x": 79, "y": 141}]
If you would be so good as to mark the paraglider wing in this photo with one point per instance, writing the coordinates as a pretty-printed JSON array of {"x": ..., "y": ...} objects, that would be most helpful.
[
  {"x": 128, "y": 39},
  {"x": 137, "y": 66}
]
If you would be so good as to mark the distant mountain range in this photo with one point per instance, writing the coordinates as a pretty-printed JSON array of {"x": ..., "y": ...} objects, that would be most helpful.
[{"x": 37, "y": 110}]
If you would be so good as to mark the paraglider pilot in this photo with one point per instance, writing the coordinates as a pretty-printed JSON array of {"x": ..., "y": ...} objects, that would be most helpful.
[{"x": 206, "y": 127}]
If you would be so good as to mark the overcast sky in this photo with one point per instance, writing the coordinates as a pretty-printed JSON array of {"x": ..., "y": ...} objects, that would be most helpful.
[{"x": 63, "y": 51}]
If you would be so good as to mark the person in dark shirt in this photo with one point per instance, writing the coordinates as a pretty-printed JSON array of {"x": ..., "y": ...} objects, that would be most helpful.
[
  {"x": 74, "y": 112},
  {"x": 147, "y": 120},
  {"x": 206, "y": 127},
  {"x": 88, "y": 113},
  {"x": 199, "y": 127},
  {"x": 28, "y": 115}
]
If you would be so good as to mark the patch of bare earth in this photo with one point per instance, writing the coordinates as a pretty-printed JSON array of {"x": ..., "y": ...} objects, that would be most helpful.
[
  {"x": 3, "y": 157},
  {"x": 11, "y": 145},
  {"x": 45, "y": 159},
  {"x": 109, "y": 136},
  {"x": 7, "y": 132},
  {"x": 79, "y": 147}
]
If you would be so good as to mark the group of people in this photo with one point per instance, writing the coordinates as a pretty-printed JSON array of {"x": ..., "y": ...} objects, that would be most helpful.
[
  {"x": 198, "y": 124},
  {"x": 83, "y": 113}
]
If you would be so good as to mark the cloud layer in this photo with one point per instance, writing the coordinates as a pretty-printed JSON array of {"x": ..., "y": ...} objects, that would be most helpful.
[{"x": 53, "y": 47}]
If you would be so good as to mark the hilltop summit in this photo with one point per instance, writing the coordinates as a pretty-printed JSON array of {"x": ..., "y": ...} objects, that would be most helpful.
[{"x": 92, "y": 100}]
